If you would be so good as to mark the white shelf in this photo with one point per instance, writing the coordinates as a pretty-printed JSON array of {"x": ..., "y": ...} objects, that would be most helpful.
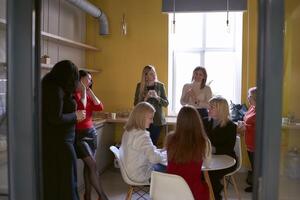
[
  {"x": 49, "y": 66},
  {"x": 68, "y": 42},
  {"x": 58, "y": 39}
]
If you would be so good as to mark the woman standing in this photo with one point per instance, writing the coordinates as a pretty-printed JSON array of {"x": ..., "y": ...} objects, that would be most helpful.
[
  {"x": 222, "y": 134},
  {"x": 59, "y": 117},
  {"x": 197, "y": 93},
  {"x": 86, "y": 134},
  {"x": 152, "y": 91},
  {"x": 248, "y": 125},
  {"x": 187, "y": 148}
]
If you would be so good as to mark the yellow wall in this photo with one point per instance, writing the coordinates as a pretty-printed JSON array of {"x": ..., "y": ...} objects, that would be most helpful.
[
  {"x": 291, "y": 94},
  {"x": 249, "y": 61},
  {"x": 123, "y": 57}
]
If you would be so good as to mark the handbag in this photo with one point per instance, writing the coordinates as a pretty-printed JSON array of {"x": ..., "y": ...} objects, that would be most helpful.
[{"x": 237, "y": 111}]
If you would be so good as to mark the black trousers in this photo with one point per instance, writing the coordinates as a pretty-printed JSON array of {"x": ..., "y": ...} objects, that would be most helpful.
[
  {"x": 250, "y": 174},
  {"x": 216, "y": 178}
]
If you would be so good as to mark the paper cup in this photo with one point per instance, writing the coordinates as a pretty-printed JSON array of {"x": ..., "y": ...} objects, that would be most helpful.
[{"x": 113, "y": 115}]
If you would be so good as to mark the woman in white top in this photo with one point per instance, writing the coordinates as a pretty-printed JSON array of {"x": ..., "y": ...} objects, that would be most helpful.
[
  {"x": 137, "y": 152},
  {"x": 197, "y": 93}
]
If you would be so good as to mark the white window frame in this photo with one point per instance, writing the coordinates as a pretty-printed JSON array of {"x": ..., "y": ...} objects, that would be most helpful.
[{"x": 172, "y": 90}]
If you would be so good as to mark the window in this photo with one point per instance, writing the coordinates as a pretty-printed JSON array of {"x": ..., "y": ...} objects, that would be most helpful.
[{"x": 204, "y": 39}]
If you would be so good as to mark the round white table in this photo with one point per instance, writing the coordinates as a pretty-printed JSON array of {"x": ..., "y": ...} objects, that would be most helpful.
[{"x": 217, "y": 162}]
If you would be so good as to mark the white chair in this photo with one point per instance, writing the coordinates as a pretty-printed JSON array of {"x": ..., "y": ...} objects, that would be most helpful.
[
  {"x": 137, "y": 188},
  {"x": 169, "y": 187},
  {"x": 238, "y": 152}
]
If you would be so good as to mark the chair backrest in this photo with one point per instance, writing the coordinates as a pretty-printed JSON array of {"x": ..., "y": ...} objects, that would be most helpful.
[
  {"x": 238, "y": 153},
  {"x": 165, "y": 186},
  {"x": 124, "y": 174}
]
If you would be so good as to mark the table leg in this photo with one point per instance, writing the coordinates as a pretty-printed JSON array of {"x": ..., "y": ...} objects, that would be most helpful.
[{"x": 211, "y": 192}]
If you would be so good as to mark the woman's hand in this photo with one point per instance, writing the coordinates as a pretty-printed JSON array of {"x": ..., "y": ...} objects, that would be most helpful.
[
  {"x": 241, "y": 127},
  {"x": 89, "y": 91},
  {"x": 80, "y": 115},
  {"x": 191, "y": 94},
  {"x": 151, "y": 94},
  {"x": 82, "y": 87}
]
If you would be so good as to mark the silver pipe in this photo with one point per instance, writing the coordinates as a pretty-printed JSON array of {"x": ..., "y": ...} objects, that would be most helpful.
[{"x": 95, "y": 12}]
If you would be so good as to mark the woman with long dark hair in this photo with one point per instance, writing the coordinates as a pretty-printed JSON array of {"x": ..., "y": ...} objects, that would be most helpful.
[
  {"x": 86, "y": 134},
  {"x": 197, "y": 93},
  {"x": 59, "y": 117},
  {"x": 187, "y": 148}
]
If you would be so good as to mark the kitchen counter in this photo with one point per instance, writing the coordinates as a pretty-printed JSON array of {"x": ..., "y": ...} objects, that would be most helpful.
[
  {"x": 100, "y": 121},
  {"x": 291, "y": 126}
]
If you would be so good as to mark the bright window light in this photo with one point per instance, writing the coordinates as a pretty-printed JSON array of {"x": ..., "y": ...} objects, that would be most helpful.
[{"x": 204, "y": 39}]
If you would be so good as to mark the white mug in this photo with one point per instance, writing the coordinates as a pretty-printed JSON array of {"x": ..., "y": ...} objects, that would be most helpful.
[
  {"x": 113, "y": 115},
  {"x": 285, "y": 120}
]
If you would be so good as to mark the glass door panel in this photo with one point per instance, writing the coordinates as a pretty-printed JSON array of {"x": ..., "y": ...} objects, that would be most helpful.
[
  {"x": 3, "y": 115},
  {"x": 290, "y": 139}
]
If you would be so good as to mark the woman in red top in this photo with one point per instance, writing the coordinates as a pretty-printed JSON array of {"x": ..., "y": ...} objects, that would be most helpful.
[
  {"x": 248, "y": 125},
  {"x": 86, "y": 135},
  {"x": 187, "y": 147}
]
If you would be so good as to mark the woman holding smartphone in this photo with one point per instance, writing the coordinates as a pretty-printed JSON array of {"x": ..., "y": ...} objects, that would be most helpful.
[{"x": 86, "y": 134}]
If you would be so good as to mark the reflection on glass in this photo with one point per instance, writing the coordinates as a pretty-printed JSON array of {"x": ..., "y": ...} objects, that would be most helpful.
[
  {"x": 3, "y": 116},
  {"x": 290, "y": 143}
]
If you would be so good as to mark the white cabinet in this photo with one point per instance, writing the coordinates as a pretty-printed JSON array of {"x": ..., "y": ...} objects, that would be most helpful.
[{"x": 104, "y": 156}]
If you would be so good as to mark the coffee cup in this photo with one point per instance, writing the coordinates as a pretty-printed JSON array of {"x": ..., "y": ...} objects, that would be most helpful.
[
  {"x": 285, "y": 120},
  {"x": 113, "y": 115}
]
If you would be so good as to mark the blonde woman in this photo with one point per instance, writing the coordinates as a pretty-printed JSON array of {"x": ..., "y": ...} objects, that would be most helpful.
[
  {"x": 248, "y": 126},
  {"x": 187, "y": 148},
  {"x": 151, "y": 90},
  {"x": 197, "y": 93},
  {"x": 137, "y": 152},
  {"x": 222, "y": 134}
]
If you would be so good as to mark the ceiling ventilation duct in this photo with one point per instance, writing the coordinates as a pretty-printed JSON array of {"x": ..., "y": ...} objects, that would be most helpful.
[{"x": 95, "y": 12}]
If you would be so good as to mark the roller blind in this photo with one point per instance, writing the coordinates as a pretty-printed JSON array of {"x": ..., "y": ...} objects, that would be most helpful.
[{"x": 203, "y": 5}]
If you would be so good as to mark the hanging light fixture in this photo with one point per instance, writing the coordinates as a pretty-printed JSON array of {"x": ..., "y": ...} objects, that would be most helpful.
[
  {"x": 227, "y": 16},
  {"x": 174, "y": 21}
]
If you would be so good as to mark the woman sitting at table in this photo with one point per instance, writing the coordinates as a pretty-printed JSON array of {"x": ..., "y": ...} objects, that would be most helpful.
[
  {"x": 222, "y": 134},
  {"x": 137, "y": 152},
  {"x": 187, "y": 147}
]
